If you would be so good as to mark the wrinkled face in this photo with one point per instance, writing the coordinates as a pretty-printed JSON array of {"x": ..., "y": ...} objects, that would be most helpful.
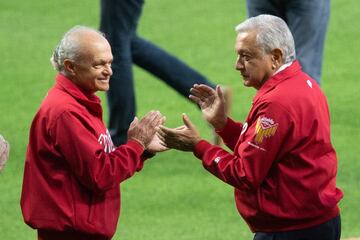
[
  {"x": 92, "y": 73},
  {"x": 254, "y": 65}
]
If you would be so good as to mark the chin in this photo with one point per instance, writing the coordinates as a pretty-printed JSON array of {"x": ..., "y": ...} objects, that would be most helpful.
[
  {"x": 247, "y": 83},
  {"x": 103, "y": 87}
]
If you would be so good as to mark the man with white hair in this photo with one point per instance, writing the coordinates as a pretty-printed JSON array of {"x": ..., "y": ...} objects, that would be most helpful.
[
  {"x": 72, "y": 170},
  {"x": 283, "y": 165},
  {"x": 4, "y": 152}
]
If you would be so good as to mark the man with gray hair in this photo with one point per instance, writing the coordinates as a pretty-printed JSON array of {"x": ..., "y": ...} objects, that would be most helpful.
[
  {"x": 72, "y": 169},
  {"x": 307, "y": 21},
  {"x": 282, "y": 165}
]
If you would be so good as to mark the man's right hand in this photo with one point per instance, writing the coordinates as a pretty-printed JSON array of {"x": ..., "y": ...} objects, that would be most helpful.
[
  {"x": 4, "y": 152},
  {"x": 212, "y": 104},
  {"x": 143, "y": 130}
]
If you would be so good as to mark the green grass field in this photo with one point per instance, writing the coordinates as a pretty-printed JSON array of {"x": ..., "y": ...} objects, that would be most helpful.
[{"x": 173, "y": 197}]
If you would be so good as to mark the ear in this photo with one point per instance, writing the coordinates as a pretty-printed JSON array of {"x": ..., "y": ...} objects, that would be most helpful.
[
  {"x": 69, "y": 66},
  {"x": 277, "y": 58}
]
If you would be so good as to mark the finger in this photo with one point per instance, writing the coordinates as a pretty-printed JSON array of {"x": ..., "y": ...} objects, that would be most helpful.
[
  {"x": 206, "y": 90},
  {"x": 4, "y": 155},
  {"x": 198, "y": 92},
  {"x": 159, "y": 120},
  {"x": 163, "y": 120},
  {"x": 187, "y": 122},
  {"x": 195, "y": 99},
  {"x": 134, "y": 122},
  {"x": 182, "y": 127},
  {"x": 151, "y": 118},
  {"x": 163, "y": 131},
  {"x": 161, "y": 138},
  {"x": 219, "y": 92}
]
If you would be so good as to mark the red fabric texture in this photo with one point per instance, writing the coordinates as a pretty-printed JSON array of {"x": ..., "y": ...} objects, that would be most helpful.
[
  {"x": 283, "y": 165},
  {"x": 72, "y": 169}
]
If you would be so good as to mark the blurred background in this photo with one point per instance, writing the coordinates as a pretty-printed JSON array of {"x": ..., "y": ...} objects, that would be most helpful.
[{"x": 173, "y": 197}]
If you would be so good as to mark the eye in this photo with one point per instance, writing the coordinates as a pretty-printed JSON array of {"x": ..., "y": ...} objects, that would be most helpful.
[
  {"x": 97, "y": 65},
  {"x": 245, "y": 57}
]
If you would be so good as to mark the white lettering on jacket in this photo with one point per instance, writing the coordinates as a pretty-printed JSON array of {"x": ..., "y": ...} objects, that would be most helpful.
[
  {"x": 106, "y": 142},
  {"x": 309, "y": 83},
  {"x": 256, "y": 146},
  {"x": 244, "y": 128},
  {"x": 217, "y": 160}
]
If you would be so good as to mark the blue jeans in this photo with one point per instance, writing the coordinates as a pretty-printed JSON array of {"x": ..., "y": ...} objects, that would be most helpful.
[
  {"x": 330, "y": 230},
  {"x": 307, "y": 20},
  {"x": 119, "y": 20}
]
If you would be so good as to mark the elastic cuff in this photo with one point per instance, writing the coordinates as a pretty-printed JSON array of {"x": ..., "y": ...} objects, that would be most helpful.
[
  {"x": 146, "y": 154},
  {"x": 200, "y": 148},
  {"x": 136, "y": 145},
  {"x": 228, "y": 128}
]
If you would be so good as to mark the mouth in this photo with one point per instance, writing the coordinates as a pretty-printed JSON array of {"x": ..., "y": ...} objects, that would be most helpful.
[
  {"x": 104, "y": 80},
  {"x": 244, "y": 76}
]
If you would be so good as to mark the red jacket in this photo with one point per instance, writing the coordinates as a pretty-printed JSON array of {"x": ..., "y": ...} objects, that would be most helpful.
[
  {"x": 283, "y": 165},
  {"x": 72, "y": 170}
]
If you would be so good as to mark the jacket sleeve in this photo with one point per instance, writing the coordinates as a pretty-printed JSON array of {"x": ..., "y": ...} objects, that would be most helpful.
[
  {"x": 230, "y": 133},
  {"x": 99, "y": 171},
  {"x": 258, "y": 148}
]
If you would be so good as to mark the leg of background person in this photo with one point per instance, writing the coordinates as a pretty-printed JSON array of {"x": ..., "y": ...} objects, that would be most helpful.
[
  {"x": 264, "y": 236},
  {"x": 165, "y": 66},
  {"x": 308, "y": 21},
  {"x": 119, "y": 21},
  {"x": 171, "y": 70},
  {"x": 330, "y": 230},
  {"x": 272, "y": 7}
]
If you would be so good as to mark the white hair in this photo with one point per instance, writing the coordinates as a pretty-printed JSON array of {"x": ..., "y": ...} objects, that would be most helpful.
[
  {"x": 69, "y": 47},
  {"x": 272, "y": 32}
]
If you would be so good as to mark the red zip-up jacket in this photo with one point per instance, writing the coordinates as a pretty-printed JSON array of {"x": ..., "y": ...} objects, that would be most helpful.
[
  {"x": 283, "y": 164},
  {"x": 72, "y": 170}
]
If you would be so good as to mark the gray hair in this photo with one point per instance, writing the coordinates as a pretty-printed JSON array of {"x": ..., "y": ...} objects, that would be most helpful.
[
  {"x": 69, "y": 47},
  {"x": 272, "y": 32}
]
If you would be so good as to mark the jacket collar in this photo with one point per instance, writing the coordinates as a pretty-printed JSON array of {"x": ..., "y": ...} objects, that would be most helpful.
[
  {"x": 88, "y": 100},
  {"x": 276, "y": 79}
]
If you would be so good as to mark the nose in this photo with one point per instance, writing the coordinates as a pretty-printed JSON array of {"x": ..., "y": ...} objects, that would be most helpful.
[
  {"x": 239, "y": 65},
  {"x": 108, "y": 70}
]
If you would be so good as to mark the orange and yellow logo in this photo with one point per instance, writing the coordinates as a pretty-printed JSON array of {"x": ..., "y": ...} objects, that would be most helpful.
[{"x": 265, "y": 128}]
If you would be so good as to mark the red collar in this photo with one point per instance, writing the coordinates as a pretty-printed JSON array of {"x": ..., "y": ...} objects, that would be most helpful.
[{"x": 276, "y": 79}]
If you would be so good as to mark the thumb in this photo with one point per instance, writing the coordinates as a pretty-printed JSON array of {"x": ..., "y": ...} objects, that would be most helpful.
[
  {"x": 219, "y": 92},
  {"x": 187, "y": 122},
  {"x": 134, "y": 122}
]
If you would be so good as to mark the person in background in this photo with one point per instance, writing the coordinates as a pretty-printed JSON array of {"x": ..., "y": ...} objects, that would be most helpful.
[
  {"x": 283, "y": 165},
  {"x": 73, "y": 171},
  {"x": 307, "y": 20},
  {"x": 119, "y": 21},
  {"x": 4, "y": 152}
]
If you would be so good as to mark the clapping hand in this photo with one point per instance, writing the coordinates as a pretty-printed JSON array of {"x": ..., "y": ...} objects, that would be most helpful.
[
  {"x": 212, "y": 104},
  {"x": 156, "y": 145},
  {"x": 143, "y": 131},
  {"x": 183, "y": 138}
]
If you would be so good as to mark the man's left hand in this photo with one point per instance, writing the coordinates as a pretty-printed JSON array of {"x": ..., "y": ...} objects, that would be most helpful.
[
  {"x": 156, "y": 145},
  {"x": 183, "y": 138}
]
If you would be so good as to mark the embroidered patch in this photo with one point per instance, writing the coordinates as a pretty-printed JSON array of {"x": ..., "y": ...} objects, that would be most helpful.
[{"x": 265, "y": 128}]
